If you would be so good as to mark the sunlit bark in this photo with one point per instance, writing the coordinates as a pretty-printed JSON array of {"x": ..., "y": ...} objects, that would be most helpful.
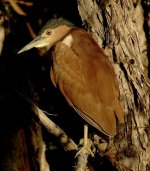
[{"x": 117, "y": 26}]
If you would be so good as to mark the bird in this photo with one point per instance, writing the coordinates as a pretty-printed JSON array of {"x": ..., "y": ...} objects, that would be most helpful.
[{"x": 83, "y": 74}]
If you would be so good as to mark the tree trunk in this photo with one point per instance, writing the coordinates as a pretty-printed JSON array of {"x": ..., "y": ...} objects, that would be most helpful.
[{"x": 117, "y": 26}]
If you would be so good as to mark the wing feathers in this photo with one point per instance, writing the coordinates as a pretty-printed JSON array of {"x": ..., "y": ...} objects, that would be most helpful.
[
  {"x": 111, "y": 130},
  {"x": 87, "y": 81}
]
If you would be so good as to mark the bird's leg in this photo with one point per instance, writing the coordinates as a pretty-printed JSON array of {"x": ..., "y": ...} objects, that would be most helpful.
[
  {"x": 85, "y": 134},
  {"x": 84, "y": 152},
  {"x": 86, "y": 143}
]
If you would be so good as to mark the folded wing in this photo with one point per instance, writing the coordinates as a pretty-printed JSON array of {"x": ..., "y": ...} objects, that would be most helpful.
[{"x": 87, "y": 80}]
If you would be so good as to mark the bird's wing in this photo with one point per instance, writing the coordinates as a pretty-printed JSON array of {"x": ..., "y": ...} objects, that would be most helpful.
[
  {"x": 98, "y": 71},
  {"x": 86, "y": 85}
]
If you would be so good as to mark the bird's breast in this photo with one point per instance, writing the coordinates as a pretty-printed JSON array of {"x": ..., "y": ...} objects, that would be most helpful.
[{"x": 66, "y": 69}]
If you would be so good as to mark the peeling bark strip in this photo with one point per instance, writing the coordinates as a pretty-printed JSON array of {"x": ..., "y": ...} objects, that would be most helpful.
[{"x": 116, "y": 28}]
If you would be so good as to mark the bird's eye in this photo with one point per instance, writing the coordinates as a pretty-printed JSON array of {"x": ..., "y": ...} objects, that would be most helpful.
[{"x": 48, "y": 32}]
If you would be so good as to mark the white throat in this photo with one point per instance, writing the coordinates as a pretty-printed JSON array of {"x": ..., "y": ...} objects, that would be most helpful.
[{"x": 68, "y": 40}]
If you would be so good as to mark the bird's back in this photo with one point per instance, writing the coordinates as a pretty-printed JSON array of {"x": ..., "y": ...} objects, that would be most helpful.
[{"x": 87, "y": 80}]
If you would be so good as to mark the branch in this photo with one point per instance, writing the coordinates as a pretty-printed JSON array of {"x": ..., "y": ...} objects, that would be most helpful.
[
  {"x": 54, "y": 129},
  {"x": 82, "y": 161}
]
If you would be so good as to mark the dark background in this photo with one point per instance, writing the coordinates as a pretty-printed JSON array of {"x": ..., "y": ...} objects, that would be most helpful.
[{"x": 28, "y": 74}]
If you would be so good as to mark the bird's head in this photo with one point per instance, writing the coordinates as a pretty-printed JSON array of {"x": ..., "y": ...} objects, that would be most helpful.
[{"x": 53, "y": 31}]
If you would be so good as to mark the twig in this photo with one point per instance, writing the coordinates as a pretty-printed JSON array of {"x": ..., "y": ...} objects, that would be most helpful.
[
  {"x": 2, "y": 37},
  {"x": 33, "y": 35},
  {"x": 17, "y": 8},
  {"x": 66, "y": 141},
  {"x": 24, "y": 3}
]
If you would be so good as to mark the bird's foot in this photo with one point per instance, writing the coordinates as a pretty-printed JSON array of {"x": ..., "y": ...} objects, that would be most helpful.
[
  {"x": 85, "y": 143},
  {"x": 86, "y": 148}
]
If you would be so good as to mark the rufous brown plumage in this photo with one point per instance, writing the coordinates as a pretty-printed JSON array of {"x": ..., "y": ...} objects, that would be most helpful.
[{"x": 83, "y": 74}]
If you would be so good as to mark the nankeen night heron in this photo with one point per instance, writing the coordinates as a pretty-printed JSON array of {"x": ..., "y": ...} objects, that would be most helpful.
[{"x": 83, "y": 74}]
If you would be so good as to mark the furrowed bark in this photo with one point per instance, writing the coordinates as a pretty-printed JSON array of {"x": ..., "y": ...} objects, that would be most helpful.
[{"x": 117, "y": 26}]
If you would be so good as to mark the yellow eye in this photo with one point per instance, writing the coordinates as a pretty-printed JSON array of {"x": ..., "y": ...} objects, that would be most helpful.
[{"x": 48, "y": 32}]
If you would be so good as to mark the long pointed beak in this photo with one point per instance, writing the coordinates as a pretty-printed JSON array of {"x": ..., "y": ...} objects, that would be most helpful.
[{"x": 37, "y": 42}]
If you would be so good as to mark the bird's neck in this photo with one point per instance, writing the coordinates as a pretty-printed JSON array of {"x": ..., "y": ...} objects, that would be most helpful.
[{"x": 61, "y": 34}]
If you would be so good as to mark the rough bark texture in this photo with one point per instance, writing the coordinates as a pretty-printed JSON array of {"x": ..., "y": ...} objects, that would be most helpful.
[{"x": 117, "y": 26}]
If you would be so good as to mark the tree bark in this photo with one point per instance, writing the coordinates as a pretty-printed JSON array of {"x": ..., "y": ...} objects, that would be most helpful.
[{"x": 117, "y": 26}]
